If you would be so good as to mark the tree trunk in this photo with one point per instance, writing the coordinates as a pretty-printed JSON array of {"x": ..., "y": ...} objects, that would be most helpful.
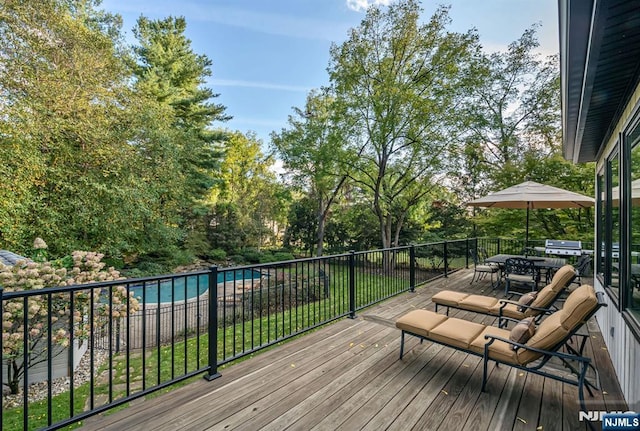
[
  {"x": 13, "y": 377},
  {"x": 320, "y": 242}
]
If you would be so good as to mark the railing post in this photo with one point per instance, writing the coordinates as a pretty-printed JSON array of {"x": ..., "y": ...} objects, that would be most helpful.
[
  {"x": 498, "y": 246},
  {"x": 466, "y": 253},
  {"x": 213, "y": 325},
  {"x": 412, "y": 268},
  {"x": 446, "y": 259},
  {"x": 352, "y": 284}
]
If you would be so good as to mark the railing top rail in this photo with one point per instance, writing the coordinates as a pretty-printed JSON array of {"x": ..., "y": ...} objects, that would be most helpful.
[
  {"x": 403, "y": 247},
  {"x": 257, "y": 266},
  {"x": 97, "y": 285}
]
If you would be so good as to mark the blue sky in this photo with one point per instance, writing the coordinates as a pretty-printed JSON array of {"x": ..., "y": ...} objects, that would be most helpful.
[{"x": 267, "y": 54}]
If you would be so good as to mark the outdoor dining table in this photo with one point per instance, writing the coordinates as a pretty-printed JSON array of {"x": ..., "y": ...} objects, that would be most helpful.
[{"x": 547, "y": 264}]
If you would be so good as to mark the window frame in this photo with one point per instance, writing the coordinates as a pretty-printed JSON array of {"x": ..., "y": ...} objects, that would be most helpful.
[
  {"x": 603, "y": 249},
  {"x": 630, "y": 313}
]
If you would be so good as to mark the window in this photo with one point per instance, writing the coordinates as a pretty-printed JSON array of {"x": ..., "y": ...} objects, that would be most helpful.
[
  {"x": 601, "y": 223},
  {"x": 612, "y": 246},
  {"x": 633, "y": 191},
  {"x": 608, "y": 231}
]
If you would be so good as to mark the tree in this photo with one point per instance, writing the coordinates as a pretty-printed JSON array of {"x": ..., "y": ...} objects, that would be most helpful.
[
  {"x": 513, "y": 110},
  {"x": 65, "y": 103},
  {"x": 302, "y": 229},
  {"x": 180, "y": 149},
  {"x": 312, "y": 151},
  {"x": 513, "y": 133},
  {"x": 27, "y": 329},
  {"x": 399, "y": 83},
  {"x": 249, "y": 189}
]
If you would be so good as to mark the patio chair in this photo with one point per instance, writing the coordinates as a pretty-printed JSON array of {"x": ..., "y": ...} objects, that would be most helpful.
[
  {"x": 520, "y": 270},
  {"x": 482, "y": 268},
  {"x": 529, "y": 305},
  {"x": 529, "y": 251},
  {"x": 529, "y": 350},
  {"x": 583, "y": 268}
]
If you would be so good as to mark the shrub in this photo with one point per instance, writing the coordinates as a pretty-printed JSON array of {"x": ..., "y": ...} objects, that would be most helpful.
[
  {"x": 238, "y": 259},
  {"x": 267, "y": 257},
  {"x": 217, "y": 254},
  {"x": 48, "y": 317},
  {"x": 282, "y": 256},
  {"x": 252, "y": 255}
]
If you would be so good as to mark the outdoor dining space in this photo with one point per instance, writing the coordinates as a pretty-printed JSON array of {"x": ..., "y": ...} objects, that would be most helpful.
[{"x": 348, "y": 375}]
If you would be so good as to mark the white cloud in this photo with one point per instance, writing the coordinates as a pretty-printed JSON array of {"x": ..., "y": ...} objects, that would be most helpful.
[{"x": 363, "y": 5}]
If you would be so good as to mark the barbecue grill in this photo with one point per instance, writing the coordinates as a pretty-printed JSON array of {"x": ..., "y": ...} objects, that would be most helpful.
[{"x": 563, "y": 248}]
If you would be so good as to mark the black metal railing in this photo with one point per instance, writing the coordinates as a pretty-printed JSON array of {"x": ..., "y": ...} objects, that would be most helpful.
[{"x": 93, "y": 348}]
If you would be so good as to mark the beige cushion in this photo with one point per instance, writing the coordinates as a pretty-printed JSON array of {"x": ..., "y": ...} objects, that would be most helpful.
[
  {"x": 448, "y": 297},
  {"x": 487, "y": 268},
  {"x": 509, "y": 310},
  {"x": 544, "y": 297},
  {"x": 549, "y": 333},
  {"x": 526, "y": 299},
  {"x": 482, "y": 304},
  {"x": 521, "y": 278},
  {"x": 523, "y": 331},
  {"x": 456, "y": 332},
  {"x": 420, "y": 322},
  {"x": 561, "y": 278},
  {"x": 498, "y": 349},
  {"x": 578, "y": 305}
]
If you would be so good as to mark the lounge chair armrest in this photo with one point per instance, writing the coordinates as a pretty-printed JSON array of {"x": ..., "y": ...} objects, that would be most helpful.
[
  {"x": 562, "y": 355},
  {"x": 509, "y": 319},
  {"x": 504, "y": 303}
]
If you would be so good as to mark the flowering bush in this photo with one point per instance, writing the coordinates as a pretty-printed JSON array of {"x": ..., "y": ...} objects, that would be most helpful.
[{"x": 26, "y": 325}]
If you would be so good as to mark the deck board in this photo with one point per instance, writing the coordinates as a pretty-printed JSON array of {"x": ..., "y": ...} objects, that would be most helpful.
[{"x": 347, "y": 376}]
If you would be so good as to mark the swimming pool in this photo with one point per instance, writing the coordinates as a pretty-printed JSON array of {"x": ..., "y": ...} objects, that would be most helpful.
[{"x": 196, "y": 285}]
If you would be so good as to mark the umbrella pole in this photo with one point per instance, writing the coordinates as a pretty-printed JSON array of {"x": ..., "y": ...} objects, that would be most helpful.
[{"x": 526, "y": 240}]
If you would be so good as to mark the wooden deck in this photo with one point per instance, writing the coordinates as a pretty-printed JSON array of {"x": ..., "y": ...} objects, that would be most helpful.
[{"x": 347, "y": 376}]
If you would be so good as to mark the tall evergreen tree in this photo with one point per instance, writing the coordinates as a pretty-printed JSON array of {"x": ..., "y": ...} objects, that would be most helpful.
[{"x": 182, "y": 149}]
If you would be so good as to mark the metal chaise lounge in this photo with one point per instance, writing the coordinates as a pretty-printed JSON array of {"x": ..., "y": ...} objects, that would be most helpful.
[
  {"x": 513, "y": 347},
  {"x": 530, "y": 304}
]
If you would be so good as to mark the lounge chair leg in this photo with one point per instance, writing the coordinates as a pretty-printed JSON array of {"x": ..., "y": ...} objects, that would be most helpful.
[
  {"x": 581, "y": 382},
  {"x": 484, "y": 374},
  {"x": 401, "y": 344}
]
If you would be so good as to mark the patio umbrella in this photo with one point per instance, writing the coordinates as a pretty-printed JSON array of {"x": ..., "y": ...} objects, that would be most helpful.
[
  {"x": 635, "y": 194},
  {"x": 532, "y": 195}
]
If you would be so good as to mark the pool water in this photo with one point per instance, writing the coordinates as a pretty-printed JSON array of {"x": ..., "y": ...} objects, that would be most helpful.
[{"x": 196, "y": 286}]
